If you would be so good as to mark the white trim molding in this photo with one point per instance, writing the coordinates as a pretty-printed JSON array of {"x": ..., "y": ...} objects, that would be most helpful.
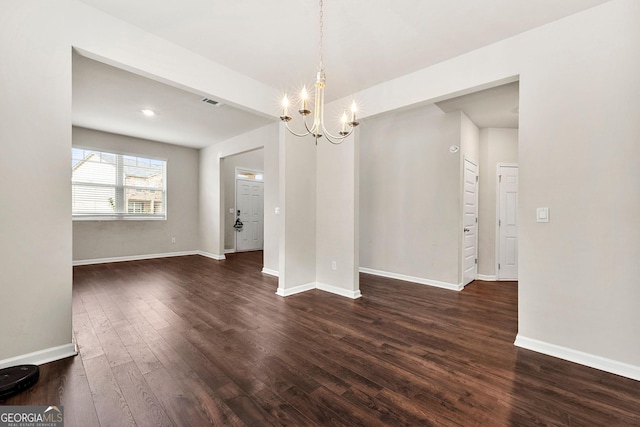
[
  {"x": 295, "y": 290},
  {"x": 419, "y": 280},
  {"x": 321, "y": 287},
  {"x": 576, "y": 356},
  {"x": 271, "y": 272},
  {"x": 229, "y": 251},
  {"x": 212, "y": 256},
  {"x": 131, "y": 258},
  {"x": 487, "y": 278},
  {"x": 339, "y": 291},
  {"x": 42, "y": 356}
]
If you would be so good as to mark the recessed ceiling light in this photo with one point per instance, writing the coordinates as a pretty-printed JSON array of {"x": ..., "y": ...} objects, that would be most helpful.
[{"x": 148, "y": 113}]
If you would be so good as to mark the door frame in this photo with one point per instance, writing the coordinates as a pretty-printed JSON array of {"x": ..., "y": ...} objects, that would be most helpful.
[
  {"x": 461, "y": 240},
  {"x": 235, "y": 199},
  {"x": 497, "y": 254}
]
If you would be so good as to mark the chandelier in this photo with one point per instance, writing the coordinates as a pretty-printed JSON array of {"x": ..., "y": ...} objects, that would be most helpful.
[{"x": 318, "y": 129}]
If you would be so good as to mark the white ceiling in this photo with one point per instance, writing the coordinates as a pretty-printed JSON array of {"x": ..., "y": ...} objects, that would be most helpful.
[
  {"x": 110, "y": 99},
  {"x": 366, "y": 42}
]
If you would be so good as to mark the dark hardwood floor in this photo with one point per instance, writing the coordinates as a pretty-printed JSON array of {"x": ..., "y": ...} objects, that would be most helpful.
[{"x": 189, "y": 341}]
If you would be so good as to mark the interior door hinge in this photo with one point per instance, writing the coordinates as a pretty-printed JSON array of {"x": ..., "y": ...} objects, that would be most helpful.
[
  {"x": 476, "y": 178},
  {"x": 499, "y": 178},
  {"x": 498, "y": 266},
  {"x": 499, "y": 223},
  {"x": 476, "y": 260},
  {"x": 476, "y": 220}
]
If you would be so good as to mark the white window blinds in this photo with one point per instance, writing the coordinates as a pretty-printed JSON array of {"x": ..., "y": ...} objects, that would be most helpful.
[{"x": 117, "y": 186}]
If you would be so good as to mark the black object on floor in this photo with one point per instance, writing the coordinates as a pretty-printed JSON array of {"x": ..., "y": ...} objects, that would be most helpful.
[{"x": 16, "y": 379}]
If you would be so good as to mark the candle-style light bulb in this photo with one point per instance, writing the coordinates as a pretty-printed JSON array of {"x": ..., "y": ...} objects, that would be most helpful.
[
  {"x": 285, "y": 105},
  {"x": 304, "y": 95},
  {"x": 354, "y": 108},
  {"x": 344, "y": 121}
]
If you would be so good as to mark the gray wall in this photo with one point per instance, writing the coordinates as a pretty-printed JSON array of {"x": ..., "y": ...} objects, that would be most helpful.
[
  {"x": 253, "y": 160},
  {"x": 410, "y": 194},
  {"x": 496, "y": 146},
  {"x": 107, "y": 239}
]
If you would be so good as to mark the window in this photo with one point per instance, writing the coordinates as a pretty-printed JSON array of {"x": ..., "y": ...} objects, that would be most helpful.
[
  {"x": 249, "y": 174},
  {"x": 117, "y": 186}
]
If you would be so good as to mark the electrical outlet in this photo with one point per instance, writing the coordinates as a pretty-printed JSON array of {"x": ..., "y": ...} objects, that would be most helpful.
[
  {"x": 334, "y": 265},
  {"x": 173, "y": 240}
]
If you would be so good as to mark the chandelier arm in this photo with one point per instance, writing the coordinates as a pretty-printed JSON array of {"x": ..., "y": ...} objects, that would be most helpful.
[
  {"x": 335, "y": 140},
  {"x": 304, "y": 121},
  {"x": 338, "y": 141},
  {"x": 340, "y": 138},
  {"x": 295, "y": 133}
]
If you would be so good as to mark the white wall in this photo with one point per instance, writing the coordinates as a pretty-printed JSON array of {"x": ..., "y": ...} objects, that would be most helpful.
[
  {"x": 337, "y": 204},
  {"x": 469, "y": 140},
  {"x": 578, "y": 145},
  {"x": 212, "y": 216},
  {"x": 496, "y": 146},
  {"x": 410, "y": 194},
  {"x": 253, "y": 160},
  {"x": 111, "y": 239},
  {"x": 297, "y": 217},
  {"x": 35, "y": 189}
]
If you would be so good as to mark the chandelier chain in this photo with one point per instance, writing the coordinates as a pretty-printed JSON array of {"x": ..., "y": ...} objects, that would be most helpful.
[{"x": 321, "y": 59}]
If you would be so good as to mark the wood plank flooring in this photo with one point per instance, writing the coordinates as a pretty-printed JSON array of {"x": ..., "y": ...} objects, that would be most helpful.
[{"x": 189, "y": 341}]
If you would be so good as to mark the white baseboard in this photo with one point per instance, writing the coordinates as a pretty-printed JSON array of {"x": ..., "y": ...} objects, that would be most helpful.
[
  {"x": 339, "y": 291},
  {"x": 212, "y": 256},
  {"x": 42, "y": 356},
  {"x": 229, "y": 251},
  {"x": 295, "y": 290},
  {"x": 591, "y": 360},
  {"x": 487, "y": 278},
  {"x": 131, "y": 258},
  {"x": 419, "y": 280},
  {"x": 271, "y": 272},
  {"x": 320, "y": 286}
]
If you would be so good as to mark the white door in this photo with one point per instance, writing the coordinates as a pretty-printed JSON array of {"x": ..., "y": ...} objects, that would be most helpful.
[
  {"x": 250, "y": 203},
  {"x": 508, "y": 223},
  {"x": 470, "y": 223}
]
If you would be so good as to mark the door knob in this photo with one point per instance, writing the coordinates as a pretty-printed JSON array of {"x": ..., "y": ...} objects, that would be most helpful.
[{"x": 466, "y": 230}]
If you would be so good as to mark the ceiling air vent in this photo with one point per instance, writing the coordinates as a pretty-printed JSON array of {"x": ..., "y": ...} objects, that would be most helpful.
[{"x": 211, "y": 101}]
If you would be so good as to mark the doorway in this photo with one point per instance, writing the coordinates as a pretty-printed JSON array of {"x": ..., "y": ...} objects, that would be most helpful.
[
  {"x": 507, "y": 239},
  {"x": 249, "y": 229}
]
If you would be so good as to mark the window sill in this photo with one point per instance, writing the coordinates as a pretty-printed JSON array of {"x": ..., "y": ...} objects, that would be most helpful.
[{"x": 118, "y": 218}]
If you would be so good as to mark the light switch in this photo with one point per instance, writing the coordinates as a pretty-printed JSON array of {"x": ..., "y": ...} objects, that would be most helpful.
[
  {"x": 277, "y": 211},
  {"x": 231, "y": 211},
  {"x": 543, "y": 215}
]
